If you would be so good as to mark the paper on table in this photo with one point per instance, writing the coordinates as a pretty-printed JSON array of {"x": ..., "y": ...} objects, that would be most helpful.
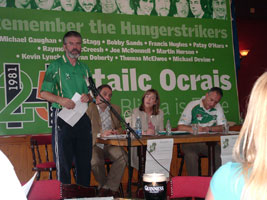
[
  {"x": 72, "y": 116},
  {"x": 161, "y": 150},
  {"x": 119, "y": 136},
  {"x": 26, "y": 188},
  {"x": 227, "y": 145},
  {"x": 200, "y": 133}
]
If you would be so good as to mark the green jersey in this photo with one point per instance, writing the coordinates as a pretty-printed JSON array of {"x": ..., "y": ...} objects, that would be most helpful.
[
  {"x": 64, "y": 79},
  {"x": 195, "y": 113}
]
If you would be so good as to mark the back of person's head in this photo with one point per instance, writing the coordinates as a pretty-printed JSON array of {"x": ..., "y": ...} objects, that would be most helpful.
[
  {"x": 71, "y": 34},
  {"x": 251, "y": 146}
]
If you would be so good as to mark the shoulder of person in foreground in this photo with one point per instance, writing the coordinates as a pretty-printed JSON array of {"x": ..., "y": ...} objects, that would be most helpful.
[
  {"x": 9, "y": 182},
  {"x": 227, "y": 182}
]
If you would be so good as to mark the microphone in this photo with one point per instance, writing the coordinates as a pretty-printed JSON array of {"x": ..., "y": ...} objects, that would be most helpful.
[{"x": 92, "y": 86}]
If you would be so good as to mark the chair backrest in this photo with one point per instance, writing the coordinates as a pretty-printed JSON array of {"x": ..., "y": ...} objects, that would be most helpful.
[
  {"x": 36, "y": 142},
  {"x": 188, "y": 186},
  {"x": 76, "y": 191},
  {"x": 45, "y": 189}
]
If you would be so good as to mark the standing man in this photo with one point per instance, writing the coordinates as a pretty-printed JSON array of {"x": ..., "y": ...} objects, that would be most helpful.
[
  {"x": 105, "y": 123},
  {"x": 63, "y": 78},
  {"x": 208, "y": 114}
]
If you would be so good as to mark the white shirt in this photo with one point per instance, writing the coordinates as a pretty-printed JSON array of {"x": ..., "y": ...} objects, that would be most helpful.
[{"x": 10, "y": 187}]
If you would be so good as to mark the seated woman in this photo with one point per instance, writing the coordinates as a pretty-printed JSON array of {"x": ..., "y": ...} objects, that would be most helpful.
[
  {"x": 150, "y": 114},
  {"x": 246, "y": 177},
  {"x": 151, "y": 117}
]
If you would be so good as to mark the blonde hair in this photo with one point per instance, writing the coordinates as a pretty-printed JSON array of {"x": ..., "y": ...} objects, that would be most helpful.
[{"x": 251, "y": 146}]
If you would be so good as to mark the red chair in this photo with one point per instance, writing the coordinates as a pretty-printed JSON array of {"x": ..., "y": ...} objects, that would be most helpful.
[
  {"x": 54, "y": 190},
  {"x": 44, "y": 190},
  {"x": 68, "y": 191},
  {"x": 41, "y": 161},
  {"x": 188, "y": 186}
]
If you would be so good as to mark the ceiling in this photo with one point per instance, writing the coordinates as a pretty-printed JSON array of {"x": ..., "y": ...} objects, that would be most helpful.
[{"x": 251, "y": 9}]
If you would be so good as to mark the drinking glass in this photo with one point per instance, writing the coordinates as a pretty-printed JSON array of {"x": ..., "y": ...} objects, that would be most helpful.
[
  {"x": 226, "y": 128},
  {"x": 195, "y": 129}
]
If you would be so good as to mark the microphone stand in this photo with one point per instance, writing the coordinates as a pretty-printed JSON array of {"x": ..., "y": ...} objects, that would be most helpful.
[{"x": 129, "y": 130}]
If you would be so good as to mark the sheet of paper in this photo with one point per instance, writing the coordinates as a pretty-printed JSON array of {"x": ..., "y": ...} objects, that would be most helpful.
[
  {"x": 119, "y": 136},
  {"x": 72, "y": 116},
  {"x": 227, "y": 145},
  {"x": 226, "y": 159},
  {"x": 26, "y": 187},
  {"x": 161, "y": 150},
  {"x": 200, "y": 133}
]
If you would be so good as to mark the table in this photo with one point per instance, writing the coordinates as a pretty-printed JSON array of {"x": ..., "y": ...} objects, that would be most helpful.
[{"x": 210, "y": 138}]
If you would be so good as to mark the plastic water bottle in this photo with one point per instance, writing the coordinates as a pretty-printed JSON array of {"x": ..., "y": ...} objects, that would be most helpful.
[
  {"x": 138, "y": 127},
  {"x": 168, "y": 128}
]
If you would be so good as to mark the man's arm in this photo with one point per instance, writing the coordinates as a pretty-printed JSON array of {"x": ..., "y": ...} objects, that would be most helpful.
[
  {"x": 65, "y": 102},
  {"x": 218, "y": 128},
  {"x": 188, "y": 128},
  {"x": 184, "y": 123},
  {"x": 116, "y": 122}
]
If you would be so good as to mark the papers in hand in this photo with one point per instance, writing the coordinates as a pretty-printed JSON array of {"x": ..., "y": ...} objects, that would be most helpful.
[{"x": 72, "y": 116}]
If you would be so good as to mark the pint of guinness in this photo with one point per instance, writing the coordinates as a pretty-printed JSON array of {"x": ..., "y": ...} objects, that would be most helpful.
[{"x": 155, "y": 186}]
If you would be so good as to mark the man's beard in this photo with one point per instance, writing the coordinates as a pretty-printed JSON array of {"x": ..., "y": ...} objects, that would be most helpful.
[{"x": 71, "y": 55}]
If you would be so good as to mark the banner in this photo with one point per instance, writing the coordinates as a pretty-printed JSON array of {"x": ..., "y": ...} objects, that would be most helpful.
[{"x": 180, "y": 57}]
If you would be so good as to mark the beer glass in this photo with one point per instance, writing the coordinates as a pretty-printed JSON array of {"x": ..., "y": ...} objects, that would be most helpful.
[{"x": 155, "y": 186}]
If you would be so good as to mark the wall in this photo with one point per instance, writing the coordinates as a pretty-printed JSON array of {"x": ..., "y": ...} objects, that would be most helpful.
[{"x": 252, "y": 36}]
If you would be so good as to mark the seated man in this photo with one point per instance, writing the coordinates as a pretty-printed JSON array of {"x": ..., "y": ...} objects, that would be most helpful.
[
  {"x": 104, "y": 122},
  {"x": 208, "y": 114}
]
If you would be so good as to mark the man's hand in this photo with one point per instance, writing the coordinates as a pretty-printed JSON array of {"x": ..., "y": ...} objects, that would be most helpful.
[
  {"x": 86, "y": 97},
  {"x": 109, "y": 132},
  {"x": 67, "y": 103},
  {"x": 149, "y": 132}
]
